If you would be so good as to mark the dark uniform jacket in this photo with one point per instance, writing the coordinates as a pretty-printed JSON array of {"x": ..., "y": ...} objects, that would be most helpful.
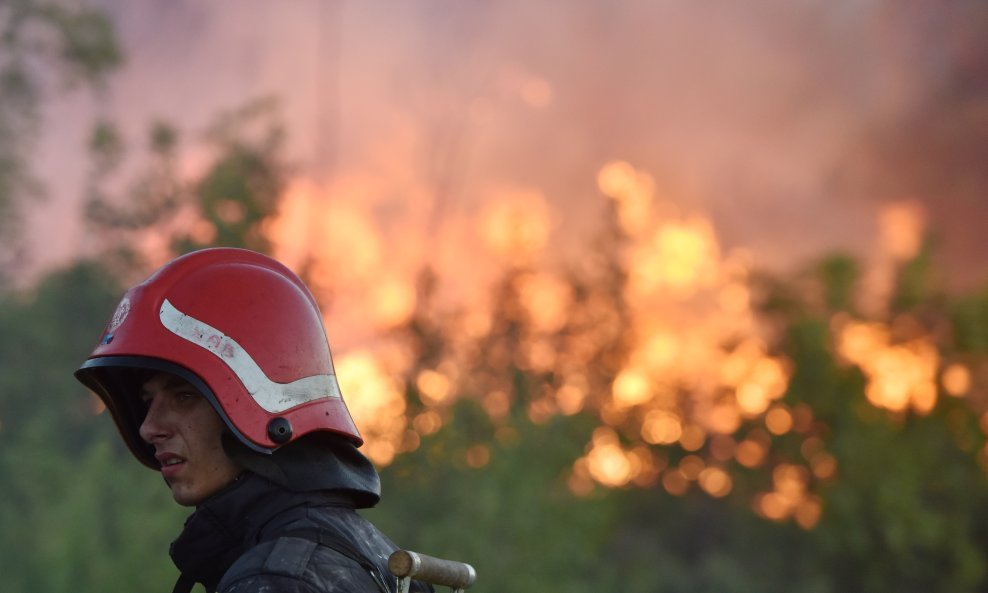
[{"x": 257, "y": 534}]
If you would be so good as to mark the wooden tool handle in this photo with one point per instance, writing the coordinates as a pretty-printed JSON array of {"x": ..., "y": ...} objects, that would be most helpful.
[{"x": 448, "y": 573}]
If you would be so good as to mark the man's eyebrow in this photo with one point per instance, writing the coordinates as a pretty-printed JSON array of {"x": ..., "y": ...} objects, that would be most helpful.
[
  {"x": 177, "y": 383},
  {"x": 171, "y": 383}
]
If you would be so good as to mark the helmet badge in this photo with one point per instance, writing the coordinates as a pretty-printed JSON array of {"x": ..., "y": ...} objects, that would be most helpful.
[
  {"x": 119, "y": 315},
  {"x": 117, "y": 320}
]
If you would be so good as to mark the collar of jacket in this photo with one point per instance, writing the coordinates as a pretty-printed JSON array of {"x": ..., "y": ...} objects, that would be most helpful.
[
  {"x": 316, "y": 462},
  {"x": 229, "y": 523}
]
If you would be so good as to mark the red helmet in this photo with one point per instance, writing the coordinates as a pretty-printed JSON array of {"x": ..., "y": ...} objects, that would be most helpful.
[{"x": 239, "y": 326}]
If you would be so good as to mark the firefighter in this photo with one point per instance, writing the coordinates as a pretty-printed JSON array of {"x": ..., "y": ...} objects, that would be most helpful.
[{"x": 218, "y": 374}]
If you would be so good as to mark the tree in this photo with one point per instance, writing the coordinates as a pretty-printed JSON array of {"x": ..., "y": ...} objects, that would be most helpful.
[
  {"x": 36, "y": 39},
  {"x": 77, "y": 512}
]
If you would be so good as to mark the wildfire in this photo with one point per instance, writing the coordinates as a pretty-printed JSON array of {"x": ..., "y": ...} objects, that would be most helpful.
[
  {"x": 900, "y": 375},
  {"x": 377, "y": 403},
  {"x": 694, "y": 367},
  {"x": 956, "y": 380},
  {"x": 790, "y": 498},
  {"x": 516, "y": 224},
  {"x": 901, "y": 226}
]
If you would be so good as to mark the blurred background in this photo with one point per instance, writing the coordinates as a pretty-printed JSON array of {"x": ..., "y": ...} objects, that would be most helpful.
[{"x": 642, "y": 295}]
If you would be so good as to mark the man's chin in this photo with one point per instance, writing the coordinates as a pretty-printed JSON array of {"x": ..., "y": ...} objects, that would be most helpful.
[{"x": 182, "y": 496}]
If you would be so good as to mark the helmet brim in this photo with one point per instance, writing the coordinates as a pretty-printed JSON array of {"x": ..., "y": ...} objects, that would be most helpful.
[{"x": 117, "y": 381}]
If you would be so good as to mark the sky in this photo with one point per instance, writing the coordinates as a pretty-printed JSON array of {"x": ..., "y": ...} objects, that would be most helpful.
[{"x": 789, "y": 126}]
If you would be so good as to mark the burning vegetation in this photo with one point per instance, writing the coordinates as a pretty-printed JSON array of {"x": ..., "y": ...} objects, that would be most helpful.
[{"x": 655, "y": 332}]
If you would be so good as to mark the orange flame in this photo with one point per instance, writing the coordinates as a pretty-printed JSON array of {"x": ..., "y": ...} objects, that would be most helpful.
[
  {"x": 696, "y": 365},
  {"x": 516, "y": 224},
  {"x": 901, "y": 375}
]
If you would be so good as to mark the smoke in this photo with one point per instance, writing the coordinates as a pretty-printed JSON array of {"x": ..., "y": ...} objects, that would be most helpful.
[{"x": 787, "y": 124}]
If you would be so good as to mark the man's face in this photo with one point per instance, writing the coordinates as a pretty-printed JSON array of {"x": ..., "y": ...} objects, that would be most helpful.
[{"x": 185, "y": 432}]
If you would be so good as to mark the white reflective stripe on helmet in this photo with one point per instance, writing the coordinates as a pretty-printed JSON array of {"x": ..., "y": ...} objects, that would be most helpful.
[{"x": 273, "y": 397}]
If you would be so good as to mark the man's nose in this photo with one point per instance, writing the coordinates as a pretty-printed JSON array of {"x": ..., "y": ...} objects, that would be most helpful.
[{"x": 154, "y": 426}]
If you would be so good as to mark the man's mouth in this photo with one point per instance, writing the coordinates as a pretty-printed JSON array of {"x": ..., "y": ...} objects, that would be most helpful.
[{"x": 171, "y": 464}]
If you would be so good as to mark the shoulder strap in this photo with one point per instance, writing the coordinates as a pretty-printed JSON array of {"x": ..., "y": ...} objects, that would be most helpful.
[
  {"x": 184, "y": 584},
  {"x": 332, "y": 541}
]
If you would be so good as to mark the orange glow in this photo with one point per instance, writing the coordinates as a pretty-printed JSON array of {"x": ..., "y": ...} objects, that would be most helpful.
[
  {"x": 691, "y": 467},
  {"x": 802, "y": 418},
  {"x": 617, "y": 180},
  {"x": 541, "y": 410},
  {"x": 332, "y": 236},
  {"x": 478, "y": 456},
  {"x": 901, "y": 226},
  {"x": 392, "y": 302},
  {"x": 230, "y": 211},
  {"x": 860, "y": 341},
  {"x": 607, "y": 462},
  {"x": 433, "y": 386},
  {"x": 735, "y": 298},
  {"x": 631, "y": 388},
  {"x": 202, "y": 231},
  {"x": 675, "y": 483},
  {"x": 341, "y": 234},
  {"x": 790, "y": 480},
  {"x": 722, "y": 447},
  {"x": 811, "y": 447},
  {"x": 693, "y": 437},
  {"x": 823, "y": 465},
  {"x": 659, "y": 350},
  {"x": 739, "y": 362},
  {"x": 516, "y": 225},
  {"x": 778, "y": 420},
  {"x": 772, "y": 506},
  {"x": 681, "y": 257},
  {"x": 497, "y": 404},
  {"x": 808, "y": 511},
  {"x": 428, "y": 422},
  {"x": 661, "y": 427},
  {"x": 631, "y": 190},
  {"x": 899, "y": 375},
  {"x": 956, "y": 380},
  {"x": 382, "y": 452},
  {"x": 716, "y": 482},
  {"x": 687, "y": 363},
  {"x": 751, "y": 453},
  {"x": 647, "y": 466},
  {"x": 376, "y": 403},
  {"x": 685, "y": 301},
  {"x": 412, "y": 441},
  {"x": 570, "y": 398},
  {"x": 546, "y": 300},
  {"x": 789, "y": 498},
  {"x": 724, "y": 418},
  {"x": 759, "y": 378},
  {"x": 579, "y": 481}
]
